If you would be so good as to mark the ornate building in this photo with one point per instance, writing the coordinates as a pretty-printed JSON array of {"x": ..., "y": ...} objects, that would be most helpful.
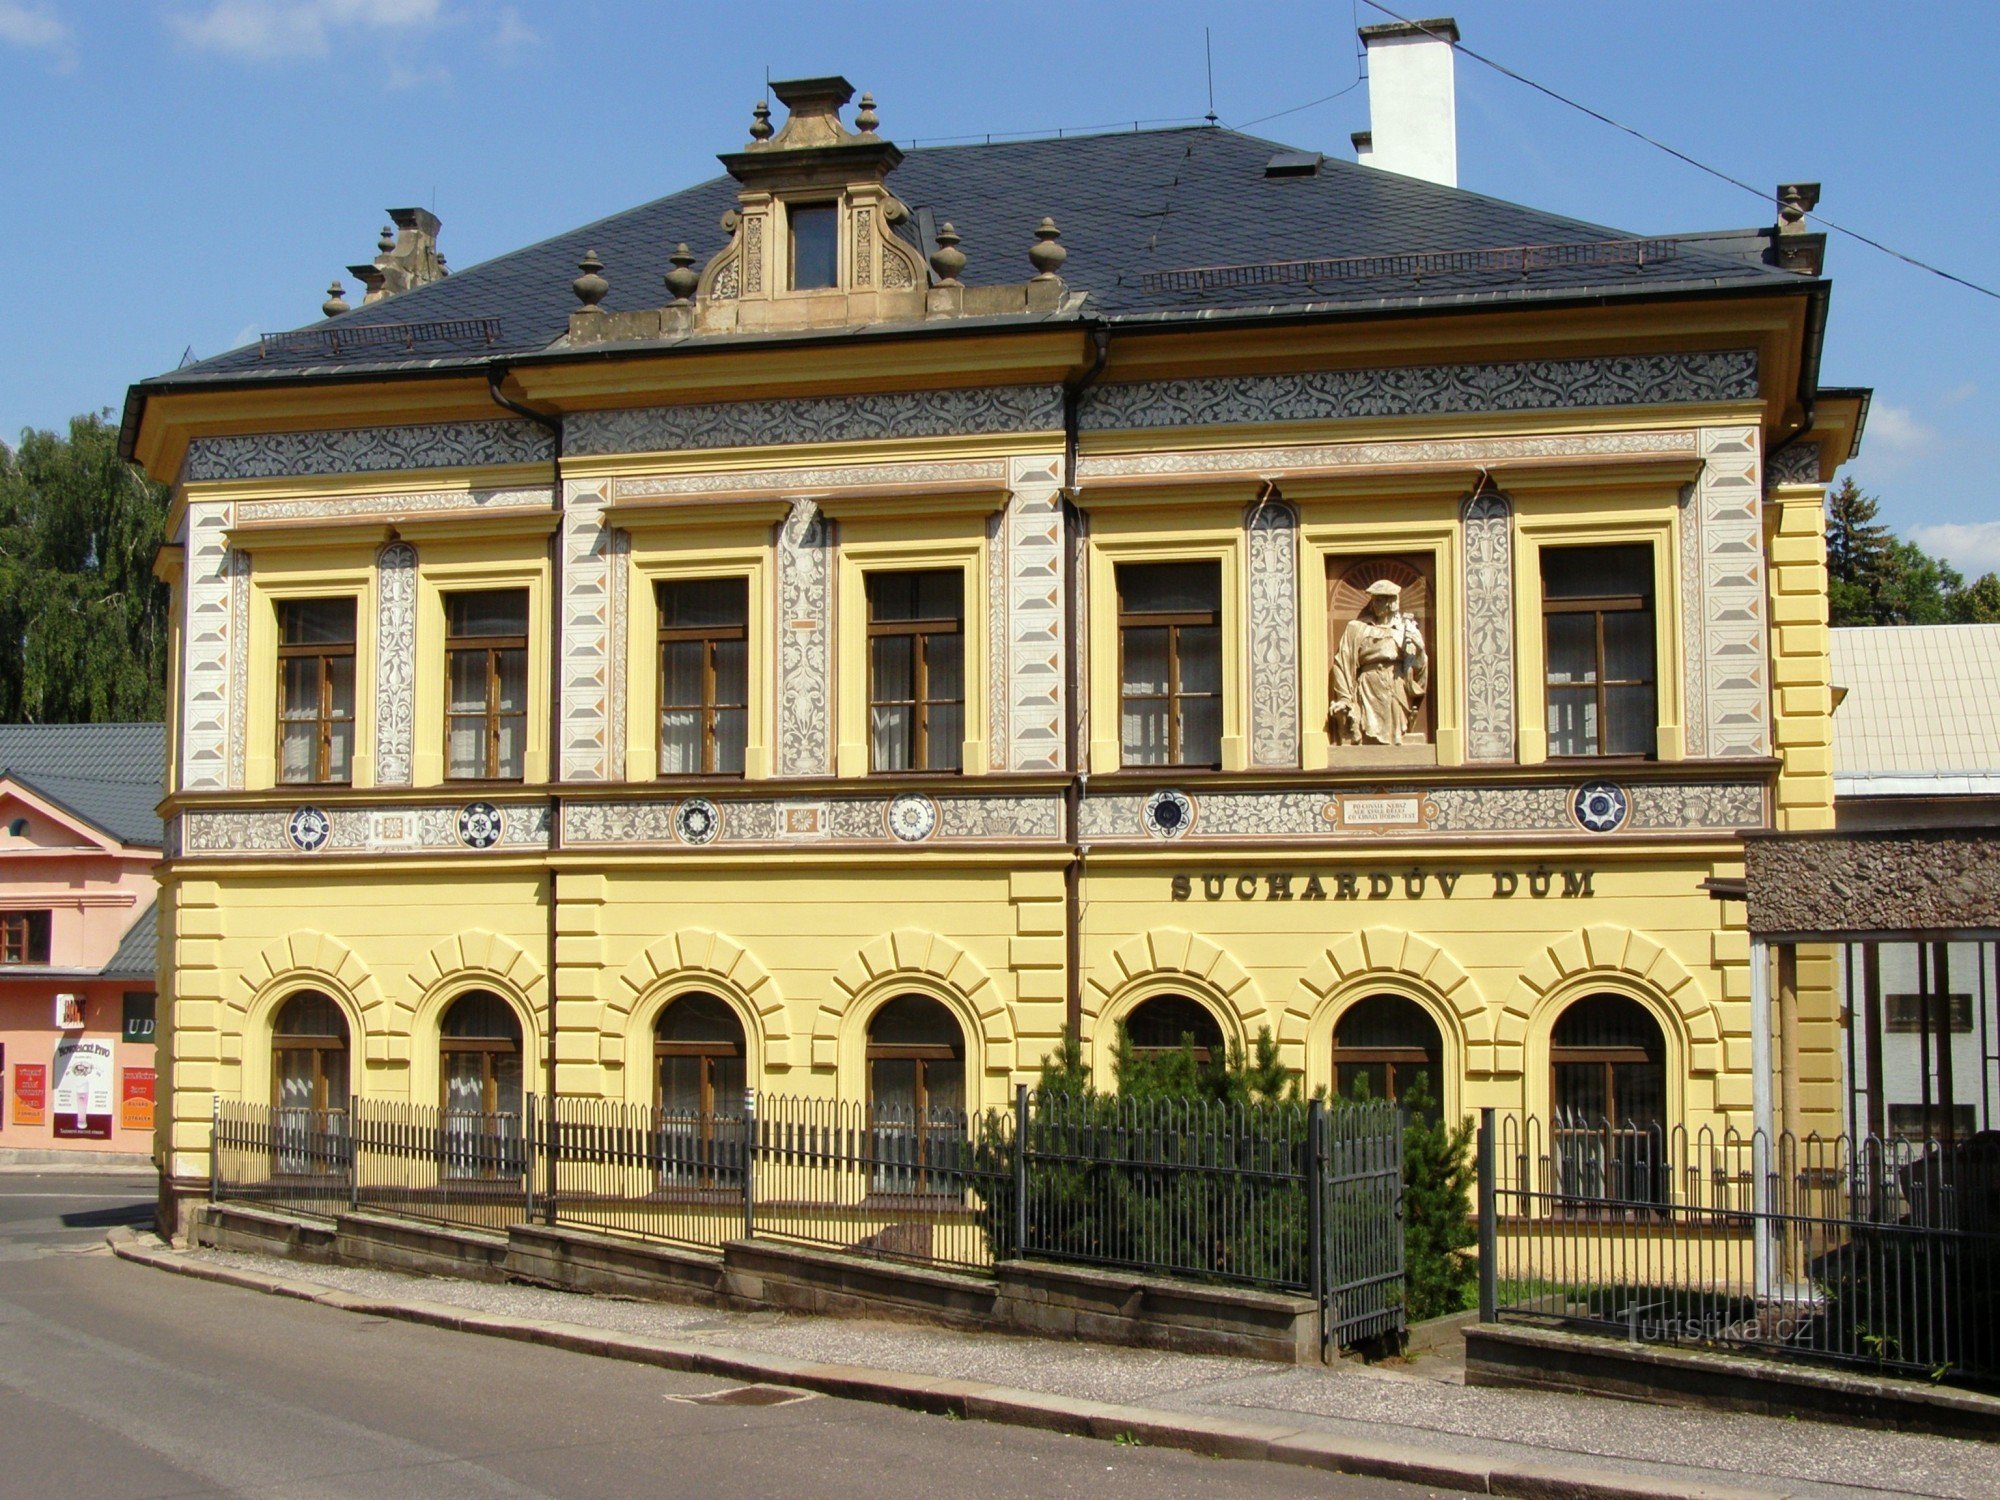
[{"x": 833, "y": 627}]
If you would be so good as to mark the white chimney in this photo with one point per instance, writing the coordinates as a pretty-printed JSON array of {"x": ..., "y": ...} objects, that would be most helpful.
[{"x": 1412, "y": 100}]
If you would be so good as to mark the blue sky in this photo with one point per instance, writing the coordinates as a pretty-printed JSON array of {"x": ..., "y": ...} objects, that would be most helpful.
[{"x": 184, "y": 174}]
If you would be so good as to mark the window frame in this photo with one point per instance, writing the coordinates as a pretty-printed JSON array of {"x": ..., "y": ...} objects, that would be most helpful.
[
  {"x": 1597, "y": 606},
  {"x": 1173, "y": 621},
  {"x": 492, "y": 716},
  {"x": 711, "y": 636},
  {"x": 21, "y": 934},
  {"x": 324, "y": 653},
  {"x": 792, "y": 207},
  {"x": 919, "y": 632}
]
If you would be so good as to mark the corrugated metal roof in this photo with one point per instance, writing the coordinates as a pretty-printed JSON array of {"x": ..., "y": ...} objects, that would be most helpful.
[
  {"x": 1922, "y": 705},
  {"x": 1131, "y": 206},
  {"x": 111, "y": 775}
]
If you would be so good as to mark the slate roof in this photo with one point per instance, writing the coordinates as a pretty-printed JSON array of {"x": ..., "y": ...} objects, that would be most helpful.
[
  {"x": 110, "y": 775},
  {"x": 1922, "y": 712},
  {"x": 138, "y": 955},
  {"x": 1130, "y": 206}
]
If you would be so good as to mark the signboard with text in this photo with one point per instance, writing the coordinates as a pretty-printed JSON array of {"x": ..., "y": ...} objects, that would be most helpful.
[
  {"x": 135, "y": 1103},
  {"x": 81, "y": 1089},
  {"x": 31, "y": 1093}
]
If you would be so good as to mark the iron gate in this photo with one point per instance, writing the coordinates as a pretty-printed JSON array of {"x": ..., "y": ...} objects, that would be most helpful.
[{"x": 1358, "y": 1204}]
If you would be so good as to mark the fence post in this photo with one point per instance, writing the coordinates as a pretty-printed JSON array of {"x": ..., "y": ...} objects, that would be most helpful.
[
  {"x": 749, "y": 1164},
  {"x": 551, "y": 1157},
  {"x": 353, "y": 1148},
  {"x": 214, "y": 1148},
  {"x": 1489, "y": 1224},
  {"x": 531, "y": 1156},
  {"x": 1020, "y": 1169},
  {"x": 1316, "y": 1268}
]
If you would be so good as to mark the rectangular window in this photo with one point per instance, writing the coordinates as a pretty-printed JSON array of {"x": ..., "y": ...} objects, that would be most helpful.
[
  {"x": 24, "y": 937},
  {"x": 1597, "y": 614},
  {"x": 1907, "y": 1013},
  {"x": 815, "y": 247},
  {"x": 916, "y": 670},
  {"x": 1915, "y": 1122},
  {"x": 1170, "y": 664},
  {"x": 486, "y": 681},
  {"x": 704, "y": 676},
  {"x": 315, "y": 690}
]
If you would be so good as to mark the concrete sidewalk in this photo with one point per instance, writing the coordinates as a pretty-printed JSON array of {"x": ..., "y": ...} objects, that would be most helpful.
[{"x": 1414, "y": 1421}]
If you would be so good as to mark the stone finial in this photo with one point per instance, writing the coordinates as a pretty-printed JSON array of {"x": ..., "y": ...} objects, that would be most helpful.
[
  {"x": 865, "y": 118},
  {"x": 386, "y": 240},
  {"x": 336, "y": 299},
  {"x": 590, "y": 287},
  {"x": 947, "y": 260},
  {"x": 1048, "y": 252},
  {"x": 683, "y": 278},
  {"x": 1795, "y": 201},
  {"x": 760, "y": 121}
]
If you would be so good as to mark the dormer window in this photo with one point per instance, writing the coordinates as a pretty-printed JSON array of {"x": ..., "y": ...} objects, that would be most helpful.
[{"x": 815, "y": 235}]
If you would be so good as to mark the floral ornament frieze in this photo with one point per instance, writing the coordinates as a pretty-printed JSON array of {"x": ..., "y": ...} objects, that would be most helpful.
[
  {"x": 365, "y": 450},
  {"x": 727, "y": 822},
  {"x": 313, "y": 830},
  {"x": 817, "y": 419},
  {"x": 1427, "y": 390}
]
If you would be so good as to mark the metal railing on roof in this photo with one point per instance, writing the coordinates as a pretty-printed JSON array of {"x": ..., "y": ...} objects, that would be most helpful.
[
  {"x": 1505, "y": 259},
  {"x": 405, "y": 336}
]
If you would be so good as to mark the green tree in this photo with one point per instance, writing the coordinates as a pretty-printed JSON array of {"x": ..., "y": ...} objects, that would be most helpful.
[
  {"x": 1438, "y": 1224},
  {"x": 1858, "y": 550},
  {"x": 1978, "y": 603},
  {"x": 79, "y": 605}
]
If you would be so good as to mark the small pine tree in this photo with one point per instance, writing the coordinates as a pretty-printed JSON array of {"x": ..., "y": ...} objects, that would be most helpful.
[
  {"x": 1438, "y": 1224},
  {"x": 1858, "y": 556}
]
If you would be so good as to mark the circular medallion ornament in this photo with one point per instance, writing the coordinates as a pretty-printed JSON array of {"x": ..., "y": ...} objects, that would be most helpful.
[
  {"x": 480, "y": 825},
  {"x": 697, "y": 821},
  {"x": 912, "y": 817},
  {"x": 309, "y": 829},
  {"x": 1168, "y": 814},
  {"x": 1601, "y": 807}
]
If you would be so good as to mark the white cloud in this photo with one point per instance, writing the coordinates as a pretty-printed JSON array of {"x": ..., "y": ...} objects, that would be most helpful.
[
  {"x": 38, "y": 29},
  {"x": 1897, "y": 429},
  {"x": 1959, "y": 394},
  {"x": 512, "y": 34},
  {"x": 1973, "y": 547},
  {"x": 271, "y": 30}
]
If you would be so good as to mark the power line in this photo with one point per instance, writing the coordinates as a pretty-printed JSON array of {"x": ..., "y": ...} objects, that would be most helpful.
[{"x": 1682, "y": 156}]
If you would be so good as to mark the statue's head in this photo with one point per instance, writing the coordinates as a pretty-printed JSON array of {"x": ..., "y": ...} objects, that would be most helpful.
[{"x": 1383, "y": 597}]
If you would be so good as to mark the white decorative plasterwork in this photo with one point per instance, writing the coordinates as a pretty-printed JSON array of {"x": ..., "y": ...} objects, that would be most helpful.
[
  {"x": 406, "y": 829},
  {"x": 817, "y": 419},
  {"x": 1487, "y": 520},
  {"x": 394, "y": 506},
  {"x": 395, "y": 663},
  {"x": 1724, "y": 629},
  {"x": 585, "y": 606},
  {"x": 1274, "y": 633},
  {"x": 789, "y": 482},
  {"x": 950, "y": 818},
  {"x": 363, "y": 450},
  {"x": 1794, "y": 463},
  {"x": 1398, "y": 391},
  {"x": 996, "y": 642},
  {"x": 209, "y": 635},
  {"x": 239, "y": 665},
  {"x": 805, "y": 642},
  {"x": 1283, "y": 460},
  {"x": 1034, "y": 695}
]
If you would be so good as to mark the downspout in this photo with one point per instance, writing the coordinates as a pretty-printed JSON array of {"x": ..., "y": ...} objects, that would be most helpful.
[
  {"x": 1073, "y": 388},
  {"x": 495, "y": 374}
]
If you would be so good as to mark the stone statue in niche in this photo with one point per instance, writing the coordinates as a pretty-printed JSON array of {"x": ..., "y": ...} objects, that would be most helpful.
[{"x": 1381, "y": 674}]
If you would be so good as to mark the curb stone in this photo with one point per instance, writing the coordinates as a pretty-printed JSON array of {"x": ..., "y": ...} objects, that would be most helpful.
[{"x": 978, "y": 1400}]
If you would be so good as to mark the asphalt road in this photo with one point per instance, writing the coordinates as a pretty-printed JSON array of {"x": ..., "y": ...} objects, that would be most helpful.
[{"x": 117, "y": 1380}]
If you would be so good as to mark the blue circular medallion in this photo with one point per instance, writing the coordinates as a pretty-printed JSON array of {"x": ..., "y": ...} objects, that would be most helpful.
[
  {"x": 1168, "y": 814},
  {"x": 697, "y": 821},
  {"x": 309, "y": 829},
  {"x": 1601, "y": 807},
  {"x": 480, "y": 825}
]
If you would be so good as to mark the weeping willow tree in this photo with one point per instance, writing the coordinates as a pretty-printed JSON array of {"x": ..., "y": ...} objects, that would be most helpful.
[{"x": 83, "y": 620}]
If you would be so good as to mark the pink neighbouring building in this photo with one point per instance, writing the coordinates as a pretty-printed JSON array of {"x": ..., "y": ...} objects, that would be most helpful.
[{"x": 79, "y": 837}]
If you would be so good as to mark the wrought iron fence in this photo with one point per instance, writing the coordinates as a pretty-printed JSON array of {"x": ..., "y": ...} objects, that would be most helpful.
[
  {"x": 297, "y": 1160},
  {"x": 1856, "y": 1251}
]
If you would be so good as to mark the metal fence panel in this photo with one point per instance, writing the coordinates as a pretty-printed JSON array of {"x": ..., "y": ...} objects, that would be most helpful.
[
  {"x": 296, "y": 1160},
  {"x": 1359, "y": 1158},
  {"x": 1850, "y": 1251},
  {"x": 462, "y": 1168}
]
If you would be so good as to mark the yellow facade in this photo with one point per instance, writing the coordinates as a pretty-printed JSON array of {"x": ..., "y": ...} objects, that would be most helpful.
[{"x": 1314, "y": 875}]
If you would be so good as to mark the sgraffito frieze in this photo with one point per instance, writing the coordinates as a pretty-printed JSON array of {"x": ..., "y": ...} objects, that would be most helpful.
[
  {"x": 764, "y": 820},
  {"x": 395, "y": 663},
  {"x": 1428, "y": 390},
  {"x": 422, "y": 828},
  {"x": 805, "y": 642},
  {"x": 783, "y": 482},
  {"x": 364, "y": 450},
  {"x": 1291, "y": 458},
  {"x": 1487, "y": 521},
  {"x": 1274, "y": 633},
  {"x": 392, "y": 506},
  {"x": 818, "y": 419},
  {"x": 1796, "y": 463}
]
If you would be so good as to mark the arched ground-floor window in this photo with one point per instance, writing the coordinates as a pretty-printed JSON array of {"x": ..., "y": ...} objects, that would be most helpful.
[
  {"x": 309, "y": 1083},
  {"x": 698, "y": 1083},
  {"x": 916, "y": 1090},
  {"x": 1383, "y": 1044},
  {"x": 480, "y": 1080},
  {"x": 1167, "y": 1022},
  {"x": 1608, "y": 1096}
]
